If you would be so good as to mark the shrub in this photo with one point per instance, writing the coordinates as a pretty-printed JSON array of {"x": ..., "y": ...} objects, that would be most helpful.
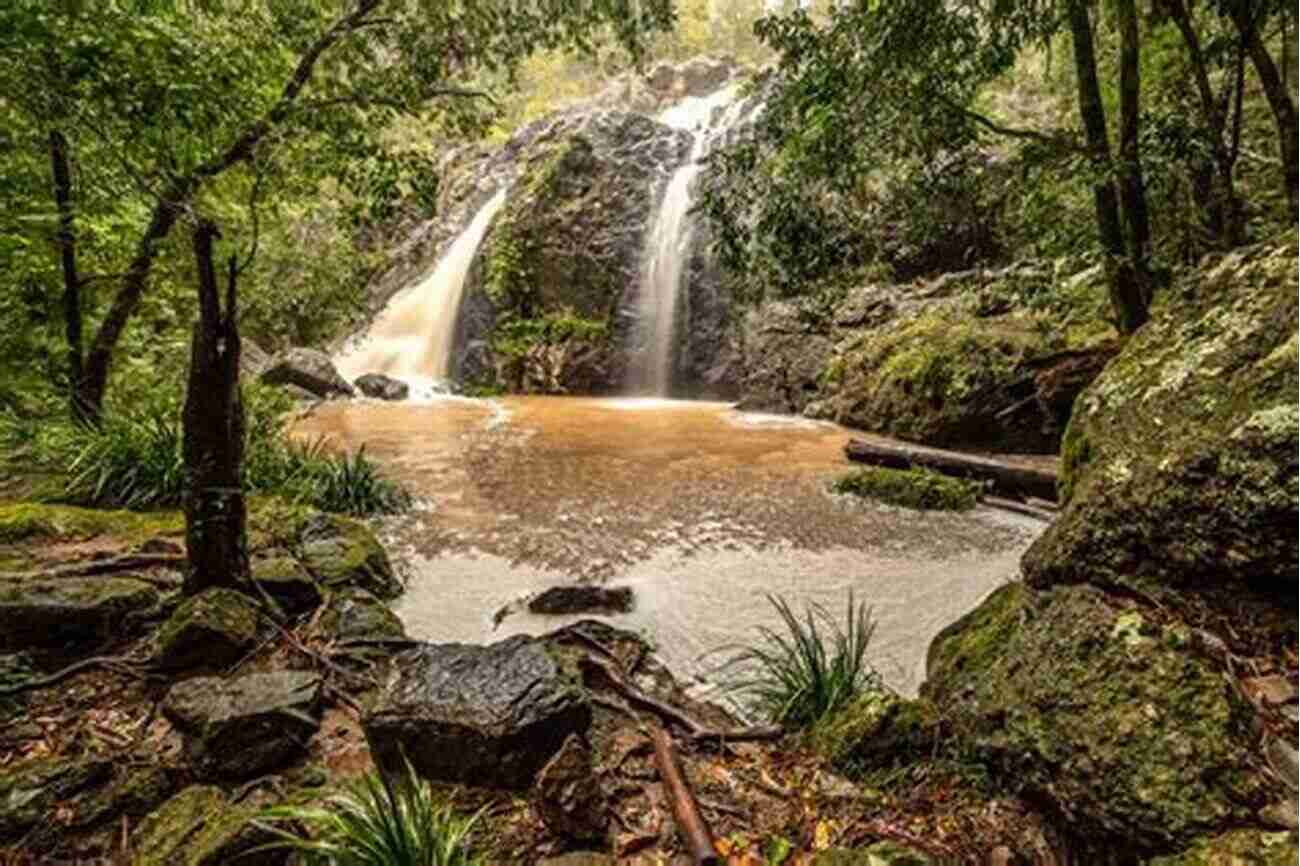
[
  {"x": 911, "y": 488},
  {"x": 135, "y": 459},
  {"x": 378, "y": 821},
  {"x": 812, "y": 669}
]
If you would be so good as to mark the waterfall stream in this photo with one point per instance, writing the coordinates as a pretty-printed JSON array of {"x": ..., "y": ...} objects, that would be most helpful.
[
  {"x": 668, "y": 243},
  {"x": 412, "y": 338}
]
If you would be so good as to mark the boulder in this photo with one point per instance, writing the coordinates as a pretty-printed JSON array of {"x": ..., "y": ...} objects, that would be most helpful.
[
  {"x": 358, "y": 615},
  {"x": 1108, "y": 717},
  {"x": 51, "y": 612},
  {"x": 582, "y": 598},
  {"x": 1179, "y": 467},
  {"x": 567, "y": 795},
  {"x": 382, "y": 387},
  {"x": 30, "y": 790},
  {"x": 489, "y": 716},
  {"x": 131, "y": 794},
  {"x": 343, "y": 553},
  {"x": 213, "y": 629},
  {"x": 1237, "y": 848},
  {"x": 309, "y": 369},
  {"x": 239, "y": 728},
  {"x": 286, "y": 581},
  {"x": 199, "y": 827}
]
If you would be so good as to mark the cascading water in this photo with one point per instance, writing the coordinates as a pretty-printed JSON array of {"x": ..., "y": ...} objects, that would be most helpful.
[
  {"x": 668, "y": 243},
  {"x": 412, "y": 339}
]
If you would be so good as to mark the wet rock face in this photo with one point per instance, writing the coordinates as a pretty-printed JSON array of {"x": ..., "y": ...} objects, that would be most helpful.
[
  {"x": 1179, "y": 466},
  {"x": 238, "y": 728},
  {"x": 382, "y": 387},
  {"x": 213, "y": 628},
  {"x": 52, "y": 612},
  {"x": 308, "y": 369},
  {"x": 1112, "y": 719},
  {"x": 488, "y": 716}
]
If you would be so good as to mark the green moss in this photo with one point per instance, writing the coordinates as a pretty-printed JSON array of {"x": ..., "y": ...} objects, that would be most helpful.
[
  {"x": 342, "y": 553},
  {"x": 212, "y": 628},
  {"x": 972, "y": 643},
  {"x": 1238, "y": 848},
  {"x": 911, "y": 488},
  {"x": 30, "y": 521},
  {"x": 41, "y": 612},
  {"x": 837, "y": 736},
  {"x": 198, "y": 827}
]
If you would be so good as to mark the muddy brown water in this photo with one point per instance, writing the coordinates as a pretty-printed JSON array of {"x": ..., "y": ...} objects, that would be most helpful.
[{"x": 701, "y": 509}]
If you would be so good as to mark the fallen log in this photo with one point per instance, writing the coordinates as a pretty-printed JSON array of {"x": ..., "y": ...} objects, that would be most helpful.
[
  {"x": 1017, "y": 507},
  {"x": 1008, "y": 478},
  {"x": 699, "y": 839}
]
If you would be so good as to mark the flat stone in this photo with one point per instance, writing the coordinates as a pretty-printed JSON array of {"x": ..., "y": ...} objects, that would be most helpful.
[
  {"x": 489, "y": 716},
  {"x": 52, "y": 612},
  {"x": 309, "y": 369},
  {"x": 211, "y": 629},
  {"x": 239, "y": 728}
]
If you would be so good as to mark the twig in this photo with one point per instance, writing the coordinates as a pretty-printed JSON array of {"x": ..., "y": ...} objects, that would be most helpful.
[{"x": 119, "y": 664}]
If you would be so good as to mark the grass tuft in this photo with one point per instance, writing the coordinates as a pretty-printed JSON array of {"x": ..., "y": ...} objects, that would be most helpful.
[
  {"x": 377, "y": 821},
  {"x": 807, "y": 671}
]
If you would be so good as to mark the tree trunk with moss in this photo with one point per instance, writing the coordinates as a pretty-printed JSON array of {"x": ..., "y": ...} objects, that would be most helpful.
[{"x": 215, "y": 514}]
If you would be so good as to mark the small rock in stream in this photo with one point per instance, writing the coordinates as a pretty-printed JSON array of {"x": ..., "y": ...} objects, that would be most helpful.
[
  {"x": 382, "y": 387},
  {"x": 582, "y": 599}
]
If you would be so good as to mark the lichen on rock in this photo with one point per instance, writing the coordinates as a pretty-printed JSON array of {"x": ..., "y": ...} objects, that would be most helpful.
[{"x": 212, "y": 628}]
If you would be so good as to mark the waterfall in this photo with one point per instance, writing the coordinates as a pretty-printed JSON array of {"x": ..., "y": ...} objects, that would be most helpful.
[
  {"x": 412, "y": 338},
  {"x": 668, "y": 243}
]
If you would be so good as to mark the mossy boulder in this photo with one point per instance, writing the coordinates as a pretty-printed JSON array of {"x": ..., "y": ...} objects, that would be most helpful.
[
  {"x": 911, "y": 488},
  {"x": 213, "y": 629},
  {"x": 1180, "y": 463},
  {"x": 199, "y": 827},
  {"x": 56, "y": 611},
  {"x": 341, "y": 553},
  {"x": 358, "y": 615},
  {"x": 286, "y": 581},
  {"x": 1238, "y": 848},
  {"x": 30, "y": 521},
  {"x": 1106, "y": 716},
  {"x": 30, "y": 790},
  {"x": 878, "y": 854},
  {"x": 241, "y": 727},
  {"x": 879, "y": 729},
  {"x": 133, "y": 792}
]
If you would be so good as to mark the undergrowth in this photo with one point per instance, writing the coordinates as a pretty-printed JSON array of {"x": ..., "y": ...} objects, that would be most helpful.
[{"x": 135, "y": 460}]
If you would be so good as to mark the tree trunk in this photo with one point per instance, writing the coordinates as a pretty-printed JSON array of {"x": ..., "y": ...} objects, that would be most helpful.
[
  {"x": 215, "y": 534},
  {"x": 1279, "y": 98},
  {"x": 68, "y": 257},
  {"x": 1126, "y": 294},
  {"x": 1132, "y": 187}
]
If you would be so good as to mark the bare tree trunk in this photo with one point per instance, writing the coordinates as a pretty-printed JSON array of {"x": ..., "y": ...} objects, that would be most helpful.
[
  {"x": 68, "y": 258},
  {"x": 1132, "y": 186},
  {"x": 1126, "y": 295},
  {"x": 1275, "y": 89},
  {"x": 215, "y": 516}
]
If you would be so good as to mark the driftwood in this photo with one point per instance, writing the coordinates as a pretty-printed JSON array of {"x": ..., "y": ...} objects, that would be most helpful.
[
  {"x": 670, "y": 714},
  {"x": 699, "y": 839},
  {"x": 1008, "y": 478}
]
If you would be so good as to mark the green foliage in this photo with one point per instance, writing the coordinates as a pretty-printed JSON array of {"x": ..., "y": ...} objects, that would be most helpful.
[
  {"x": 809, "y": 671},
  {"x": 378, "y": 821},
  {"x": 135, "y": 460},
  {"x": 514, "y": 337},
  {"x": 911, "y": 488}
]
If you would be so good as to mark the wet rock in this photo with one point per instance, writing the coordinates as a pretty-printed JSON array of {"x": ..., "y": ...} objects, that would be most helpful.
[
  {"x": 286, "y": 581},
  {"x": 253, "y": 359},
  {"x": 1238, "y": 848},
  {"x": 199, "y": 827},
  {"x": 343, "y": 553},
  {"x": 68, "y": 609},
  {"x": 879, "y": 854},
  {"x": 309, "y": 369},
  {"x": 489, "y": 716},
  {"x": 358, "y": 615},
  {"x": 582, "y": 598},
  {"x": 1111, "y": 718},
  {"x": 245, "y": 726},
  {"x": 134, "y": 793},
  {"x": 213, "y": 629},
  {"x": 1179, "y": 468},
  {"x": 567, "y": 795},
  {"x": 784, "y": 358},
  {"x": 382, "y": 387},
  {"x": 30, "y": 790}
]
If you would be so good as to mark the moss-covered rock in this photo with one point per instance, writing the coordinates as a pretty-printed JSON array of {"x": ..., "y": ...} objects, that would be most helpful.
[
  {"x": 911, "y": 488},
  {"x": 1238, "y": 848},
  {"x": 51, "y": 612},
  {"x": 878, "y": 854},
  {"x": 1107, "y": 717},
  {"x": 24, "y": 521},
  {"x": 199, "y": 827},
  {"x": 877, "y": 730},
  {"x": 286, "y": 581},
  {"x": 1179, "y": 465},
  {"x": 212, "y": 629},
  {"x": 358, "y": 615},
  {"x": 30, "y": 790},
  {"x": 341, "y": 553}
]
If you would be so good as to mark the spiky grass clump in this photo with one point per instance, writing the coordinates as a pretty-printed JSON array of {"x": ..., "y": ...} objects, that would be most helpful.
[
  {"x": 808, "y": 670},
  {"x": 135, "y": 459},
  {"x": 378, "y": 821}
]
